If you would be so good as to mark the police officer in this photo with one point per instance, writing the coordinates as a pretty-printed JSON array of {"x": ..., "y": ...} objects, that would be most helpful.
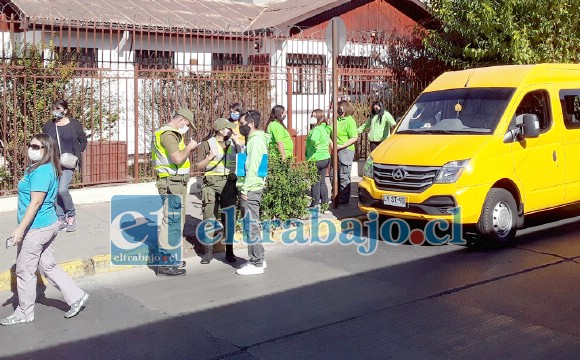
[
  {"x": 218, "y": 154},
  {"x": 172, "y": 166}
]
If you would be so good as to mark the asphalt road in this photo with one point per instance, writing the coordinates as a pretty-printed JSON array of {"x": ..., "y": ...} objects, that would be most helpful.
[{"x": 328, "y": 302}]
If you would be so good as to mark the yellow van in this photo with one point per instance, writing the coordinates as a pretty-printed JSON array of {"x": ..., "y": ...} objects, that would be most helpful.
[{"x": 497, "y": 143}]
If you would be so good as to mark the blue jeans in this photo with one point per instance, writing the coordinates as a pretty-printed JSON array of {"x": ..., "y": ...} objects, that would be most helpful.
[{"x": 64, "y": 203}]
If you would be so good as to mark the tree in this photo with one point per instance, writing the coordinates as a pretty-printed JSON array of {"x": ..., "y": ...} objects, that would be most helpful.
[
  {"x": 30, "y": 83},
  {"x": 490, "y": 32}
]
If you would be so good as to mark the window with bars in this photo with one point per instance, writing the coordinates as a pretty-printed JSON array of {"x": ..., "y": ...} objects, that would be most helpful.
[
  {"x": 353, "y": 83},
  {"x": 260, "y": 63},
  {"x": 83, "y": 58},
  {"x": 308, "y": 73},
  {"x": 220, "y": 61},
  {"x": 154, "y": 59}
]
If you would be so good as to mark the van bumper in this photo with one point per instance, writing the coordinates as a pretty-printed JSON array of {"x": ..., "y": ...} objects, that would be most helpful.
[{"x": 434, "y": 203}]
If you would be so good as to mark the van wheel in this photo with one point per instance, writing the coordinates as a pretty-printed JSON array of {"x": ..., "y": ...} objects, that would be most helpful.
[{"x": 497, "y": 223}]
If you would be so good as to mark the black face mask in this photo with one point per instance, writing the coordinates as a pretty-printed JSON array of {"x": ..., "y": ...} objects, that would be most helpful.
[
  {"x": 340, "y": 112},
  {"x": 245, "y": 129}
]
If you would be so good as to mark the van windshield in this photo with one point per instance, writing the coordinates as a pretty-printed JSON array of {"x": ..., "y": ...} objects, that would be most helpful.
[{"x": 457, "y": 111}]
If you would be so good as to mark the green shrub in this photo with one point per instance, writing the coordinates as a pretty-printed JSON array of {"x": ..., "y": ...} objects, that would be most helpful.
[{"x": 288, "y": 185}]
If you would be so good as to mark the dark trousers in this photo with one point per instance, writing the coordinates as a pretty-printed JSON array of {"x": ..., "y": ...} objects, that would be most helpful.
[
  {"x": 218, "y": 193},
  {"x": 345, "y": 160},
  {"x": 319, "y": 191},
  {"x": 251, "y": 211},
  {"x": 170, "y": 232}
]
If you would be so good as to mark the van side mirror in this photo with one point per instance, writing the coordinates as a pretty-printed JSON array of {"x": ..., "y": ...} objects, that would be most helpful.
[
  {"x": 531, "y": 126},
  {"x": 527, "y": 126}
]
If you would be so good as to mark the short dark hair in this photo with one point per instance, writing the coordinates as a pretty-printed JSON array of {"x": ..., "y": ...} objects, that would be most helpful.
[
  {"x": 60, "y": 102},
  {"x": 237, "y": 107},
  {"x": 254, "y": 117}
]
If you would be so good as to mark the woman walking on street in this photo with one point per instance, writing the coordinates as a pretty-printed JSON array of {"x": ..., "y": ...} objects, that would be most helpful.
[
  {"x": 318, "y": 151},
  {"x": 70, "y": 137},
  {"x": 37, "y": 228}
]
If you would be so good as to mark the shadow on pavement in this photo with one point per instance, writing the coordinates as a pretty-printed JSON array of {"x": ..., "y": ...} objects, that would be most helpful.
[{"x": 402, "y": 310}]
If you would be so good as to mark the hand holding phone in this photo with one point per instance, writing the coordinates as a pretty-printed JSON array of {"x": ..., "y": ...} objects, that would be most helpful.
[{"x": 9, "y": 242}]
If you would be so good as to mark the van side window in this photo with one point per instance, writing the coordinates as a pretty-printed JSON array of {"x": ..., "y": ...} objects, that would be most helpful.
[
  {"x": 570, "y": 101},
  {"x": 537, "y": 103}
]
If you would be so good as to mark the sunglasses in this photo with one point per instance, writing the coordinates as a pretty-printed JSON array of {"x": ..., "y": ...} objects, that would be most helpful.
[{"x": 35, "y": 147}]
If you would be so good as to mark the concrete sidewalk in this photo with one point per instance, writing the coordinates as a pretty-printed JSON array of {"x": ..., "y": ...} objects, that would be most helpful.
[{"x": 87, "y": 250}]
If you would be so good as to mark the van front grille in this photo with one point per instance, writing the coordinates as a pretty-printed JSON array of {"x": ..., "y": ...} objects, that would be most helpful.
[{"x": 404, "y": 178}]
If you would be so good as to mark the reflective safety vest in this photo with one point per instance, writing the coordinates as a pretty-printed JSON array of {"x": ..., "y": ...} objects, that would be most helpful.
[
  {"x": 161, "y": 158},
  {"x": 216, "y": 166}
]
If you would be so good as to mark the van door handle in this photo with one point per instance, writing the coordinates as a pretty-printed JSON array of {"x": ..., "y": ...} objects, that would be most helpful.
[{"x": 554, "y": 156}]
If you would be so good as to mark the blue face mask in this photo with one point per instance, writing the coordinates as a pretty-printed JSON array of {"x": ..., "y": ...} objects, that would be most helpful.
[{"x": 235, "y": 116}]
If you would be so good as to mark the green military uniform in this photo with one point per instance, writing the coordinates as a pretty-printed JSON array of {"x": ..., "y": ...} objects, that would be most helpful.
[
  {"x": 219, "y": 189},
  {"x": 172, "y": 179}
]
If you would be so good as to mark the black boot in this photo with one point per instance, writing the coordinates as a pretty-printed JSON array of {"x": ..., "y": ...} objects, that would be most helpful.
[
  {"x": 230, "y": 257},
  {"x": 208, "y": 255},
  {"x": 169, "y": 271}
]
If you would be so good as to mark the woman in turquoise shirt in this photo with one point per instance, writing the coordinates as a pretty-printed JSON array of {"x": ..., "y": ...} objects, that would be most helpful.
[
  {"x": 318, "y": 151},
  {"x": 279, "y": 135},
  {"x": 37, "y": 228},
  {"x": 380, "y": 122}
]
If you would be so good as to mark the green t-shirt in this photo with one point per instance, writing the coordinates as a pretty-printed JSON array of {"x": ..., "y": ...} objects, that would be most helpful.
[
  {"x": 279, "y": 134},
  {"x": 317, "y": 143},
  {"x": 379, "y": 130},
  {"x": 346, "y": 129}
]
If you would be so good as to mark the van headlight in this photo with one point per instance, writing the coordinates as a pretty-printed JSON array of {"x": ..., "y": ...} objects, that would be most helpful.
[
  {"x": 368, "y": 169},
  {"x": 450, "y": 172}
]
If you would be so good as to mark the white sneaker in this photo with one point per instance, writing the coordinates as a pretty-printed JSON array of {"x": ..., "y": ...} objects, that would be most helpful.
[{"x": 250, "y": 269}]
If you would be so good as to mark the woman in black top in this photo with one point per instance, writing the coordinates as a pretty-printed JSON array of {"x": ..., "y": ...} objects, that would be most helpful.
[{"x": 70, "y": 137}]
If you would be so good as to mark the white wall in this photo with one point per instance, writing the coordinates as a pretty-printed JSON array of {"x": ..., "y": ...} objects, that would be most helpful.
[{"x": 116, "y": 55}]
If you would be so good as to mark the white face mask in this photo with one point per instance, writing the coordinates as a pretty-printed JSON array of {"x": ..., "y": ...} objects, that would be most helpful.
[
  {"x": 34, "y": 155},
  {"x": 183, "y": 130},
  {"x": 313, "y": 120}
]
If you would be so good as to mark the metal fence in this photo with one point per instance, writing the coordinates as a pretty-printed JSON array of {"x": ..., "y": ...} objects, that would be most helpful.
[{"x": 124, "y": 83}]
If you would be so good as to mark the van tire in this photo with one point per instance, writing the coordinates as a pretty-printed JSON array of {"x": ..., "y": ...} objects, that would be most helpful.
[{"x": 498, "y": 221}]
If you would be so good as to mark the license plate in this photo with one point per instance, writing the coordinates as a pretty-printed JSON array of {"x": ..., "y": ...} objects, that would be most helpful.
[{"x": 392, "y": 200}]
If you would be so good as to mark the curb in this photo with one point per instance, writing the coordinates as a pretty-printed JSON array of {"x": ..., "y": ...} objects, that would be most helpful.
[{"x": 100, "y": 264}]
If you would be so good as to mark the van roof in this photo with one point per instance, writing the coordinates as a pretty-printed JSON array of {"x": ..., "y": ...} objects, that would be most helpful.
[{"x": 506, "y": 76}]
